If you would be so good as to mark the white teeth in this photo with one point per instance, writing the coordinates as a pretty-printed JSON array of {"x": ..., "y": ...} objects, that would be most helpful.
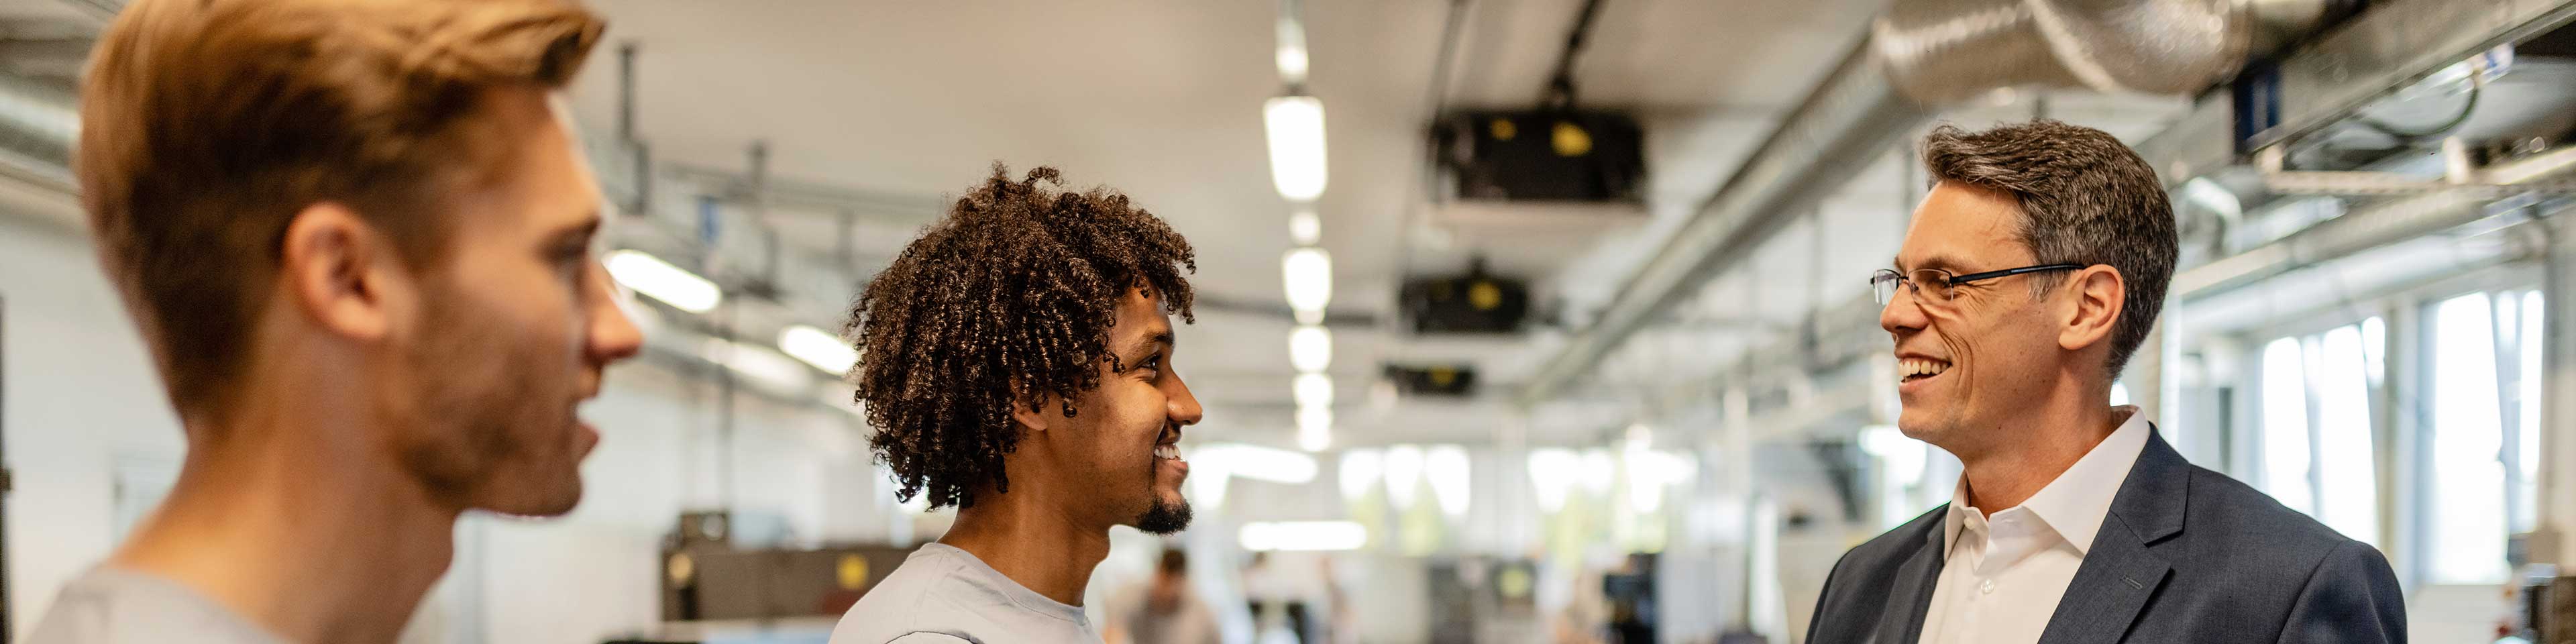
[
  {"x": 1911, "y": 367},
  {"x": 1167, "y": 452}
]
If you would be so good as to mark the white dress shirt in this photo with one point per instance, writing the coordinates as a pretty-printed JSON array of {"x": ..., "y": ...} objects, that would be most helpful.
[{"x": 2007, "y": 570}]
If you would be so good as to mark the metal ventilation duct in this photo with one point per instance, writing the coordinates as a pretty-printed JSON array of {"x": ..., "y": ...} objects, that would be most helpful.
[
  {"x": 38, "y": 122},
  {"x": 1940, "y": 52},
  {"x": 1923, "y": 56}
]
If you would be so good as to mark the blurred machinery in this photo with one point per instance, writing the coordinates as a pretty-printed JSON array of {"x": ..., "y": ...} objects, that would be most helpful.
[
  {"x": 1482, "y": 599},
  {"x": 2548, "y": 609},
  {"x": 1633, "y": 605},
  {"x": 1543, "y": 155},
  {"x": 706, "y": 578},
  {"x": 1476, "y": 302}
]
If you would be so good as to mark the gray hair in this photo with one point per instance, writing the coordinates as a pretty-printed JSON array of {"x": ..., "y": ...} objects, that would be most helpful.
[{"x": 2085, "y": 199}]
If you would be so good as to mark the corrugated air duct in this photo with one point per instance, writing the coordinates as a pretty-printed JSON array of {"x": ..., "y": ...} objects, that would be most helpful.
[{"x": 1923, "y": 56}]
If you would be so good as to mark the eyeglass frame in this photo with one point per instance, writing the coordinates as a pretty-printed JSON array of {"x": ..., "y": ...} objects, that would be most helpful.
[{"x": 1903, "y": 278}]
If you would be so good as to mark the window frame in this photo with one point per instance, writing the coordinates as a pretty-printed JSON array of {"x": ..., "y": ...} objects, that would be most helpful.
[
  {"x": 2246, "y": 452},
  {"x": 2419, "y": 415},
  {"x": 2409, "y": 374},
  {"x": 2400, "y": 411}
]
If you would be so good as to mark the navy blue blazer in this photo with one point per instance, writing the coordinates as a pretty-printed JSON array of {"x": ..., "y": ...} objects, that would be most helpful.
[{"x": 2185, "y": 555}]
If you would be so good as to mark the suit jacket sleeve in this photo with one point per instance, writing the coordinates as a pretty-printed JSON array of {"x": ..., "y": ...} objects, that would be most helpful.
[{"x": 2351, "y": 598}]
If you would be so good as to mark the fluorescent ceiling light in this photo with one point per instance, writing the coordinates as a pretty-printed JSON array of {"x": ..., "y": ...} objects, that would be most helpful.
[
  {"x": 1308, "y": 273},
  {"x": 1313, "y": 390},
  {"x": 662, "y": 281},
  {"x": 1256, "y": 462},
  {"x": 1359, "y": 471},
  {"x": 1314, "y": 438},
  {"x": 1261, "y": 536},
  {"x": 1314, "y": 428},
  {"x": 758, "y": 363},
  {"x": 1296, "y": 125},
  {"x": 819, "y": 348},
  {"x": 1310, "y": 349},
  {"x": 1306, "y": 228},
  {"x": 1292, "y": 62},
  {"x": 1291, "y": 56},
  {"x": 1445, "y": 466},
  {"x": 1208, "y": 482}
]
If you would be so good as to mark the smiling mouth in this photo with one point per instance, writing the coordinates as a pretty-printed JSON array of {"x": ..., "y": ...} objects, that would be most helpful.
[
  {"x": 1168, "y": 452},
  {"x": 1914, "y": 369}
]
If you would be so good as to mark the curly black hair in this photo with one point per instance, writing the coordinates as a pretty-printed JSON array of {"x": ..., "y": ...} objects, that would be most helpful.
[{"x": 1005, "y": 300}]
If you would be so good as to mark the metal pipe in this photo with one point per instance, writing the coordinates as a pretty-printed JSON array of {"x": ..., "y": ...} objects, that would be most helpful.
[
  {"x": 626, "y": 92},
  {"x": 38, "y": 120},
  {"x": 1946, "y": 51},
  {"x": 1921, "y": 55},
  {"x": 2381, "y": 225},
  {"x": 795, "y": 196},
  {"x": 1560, "y": 92},
  {"x": 1854, "y": 115},
  {"x": 2394, "y": 44},
  {"x": 639, "y": 154}
]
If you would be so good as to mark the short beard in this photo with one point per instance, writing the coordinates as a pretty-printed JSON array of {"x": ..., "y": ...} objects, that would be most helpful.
[{"x": 1164, "y": 518}]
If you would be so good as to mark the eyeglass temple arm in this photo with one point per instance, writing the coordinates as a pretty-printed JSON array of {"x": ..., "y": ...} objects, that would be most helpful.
[{"x": 1971, "y": 277}]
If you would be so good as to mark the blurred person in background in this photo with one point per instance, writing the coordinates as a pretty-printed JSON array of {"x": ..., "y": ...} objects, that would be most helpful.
[
  {"x": 2032, "y": 273},
  {"x": 356, "y": 235},
  {"x": 1586, "y": 612},
  {"x": 1277, "y": 603},
  {"x": 1016, "y": 362},
  {"x": 1341, "y": 624},
  {"x": 1164, "y": 609}
]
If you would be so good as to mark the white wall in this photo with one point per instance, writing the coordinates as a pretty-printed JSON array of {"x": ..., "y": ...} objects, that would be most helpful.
[
  {"x": 77, "y": 393},
  {"x": 80, "y": 396}
]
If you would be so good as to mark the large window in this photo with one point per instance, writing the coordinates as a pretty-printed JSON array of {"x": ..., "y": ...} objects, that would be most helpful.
[
  {"x": 2318, "y": 450},
  {"x": 2481, "y": 449}
]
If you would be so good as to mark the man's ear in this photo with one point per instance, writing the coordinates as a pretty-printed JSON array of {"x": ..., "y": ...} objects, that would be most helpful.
[
  {"x": 1031, "y": 411},
  {"x": 339, "y": 272},
  {"x": 2099, "y": 296}
]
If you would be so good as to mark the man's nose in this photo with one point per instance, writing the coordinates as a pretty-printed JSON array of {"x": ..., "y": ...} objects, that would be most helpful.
[
  {"x": 612, "y": 336},
  {"x": 1902, "y": 313},
  {"x": 1184, "y": 406}
]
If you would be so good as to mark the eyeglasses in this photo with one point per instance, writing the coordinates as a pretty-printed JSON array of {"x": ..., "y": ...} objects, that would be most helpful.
[{"x": 1934, "y": 284}]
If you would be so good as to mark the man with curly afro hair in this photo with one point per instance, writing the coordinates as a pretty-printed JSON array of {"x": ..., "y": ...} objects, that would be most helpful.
[{"x": 1016, "y": 365}]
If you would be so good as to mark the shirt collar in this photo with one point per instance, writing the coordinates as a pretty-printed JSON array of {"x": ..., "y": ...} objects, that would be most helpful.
[{"x": 2074, "y": 503}]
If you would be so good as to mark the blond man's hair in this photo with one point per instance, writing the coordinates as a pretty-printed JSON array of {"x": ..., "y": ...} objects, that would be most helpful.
[{"x": 206, "y": 125}]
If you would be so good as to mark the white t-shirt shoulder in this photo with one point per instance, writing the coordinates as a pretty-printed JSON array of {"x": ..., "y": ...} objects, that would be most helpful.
[
  {"x": 929, "y": 638},
  {"x": 944, "y": 595},
  {"x": 112, "y": 606}
]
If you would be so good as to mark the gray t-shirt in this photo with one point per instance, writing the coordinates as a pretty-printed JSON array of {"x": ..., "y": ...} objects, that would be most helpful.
[
  {"x": 111, "y": 606},
  {"x": 943, "y": 595}
]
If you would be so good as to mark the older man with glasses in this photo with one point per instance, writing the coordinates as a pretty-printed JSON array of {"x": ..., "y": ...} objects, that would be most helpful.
[{"x": 2031, "y": 275}]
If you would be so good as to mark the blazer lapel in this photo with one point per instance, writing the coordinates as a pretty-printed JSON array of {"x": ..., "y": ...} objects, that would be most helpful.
[
  {"x": 2121, "y": 571},
  {"x": 1902, "y": 621}
]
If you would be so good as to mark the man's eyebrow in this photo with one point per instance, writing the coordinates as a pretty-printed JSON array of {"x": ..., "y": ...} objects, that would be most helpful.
[
  {"x": 585, "y": 229},
  {"x": 1940, "y": 261},
  {"x": 1151, "y": 340}
]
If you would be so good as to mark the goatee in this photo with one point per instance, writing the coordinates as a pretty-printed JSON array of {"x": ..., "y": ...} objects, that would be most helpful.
[{"x": 1164, "y": 518}]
